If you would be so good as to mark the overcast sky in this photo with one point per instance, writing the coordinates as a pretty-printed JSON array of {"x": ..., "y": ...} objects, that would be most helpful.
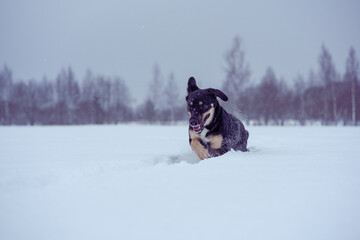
[{"x": 188, "y": 38}]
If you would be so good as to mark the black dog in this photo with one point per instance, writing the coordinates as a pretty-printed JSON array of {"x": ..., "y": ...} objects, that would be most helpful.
[{"x": 212, "y": 131}]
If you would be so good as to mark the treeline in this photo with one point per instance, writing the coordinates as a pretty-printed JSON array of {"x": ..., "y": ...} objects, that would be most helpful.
[
  {"x": 68, "y": 101},
  {"x": 325, "y": 96}
]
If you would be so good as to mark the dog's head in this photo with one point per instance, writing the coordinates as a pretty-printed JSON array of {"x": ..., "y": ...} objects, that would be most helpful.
[{"x": 201, "y": 104}]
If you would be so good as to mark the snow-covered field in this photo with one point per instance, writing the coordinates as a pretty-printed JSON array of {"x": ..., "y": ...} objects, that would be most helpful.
[{"x": 144, "y": 182}]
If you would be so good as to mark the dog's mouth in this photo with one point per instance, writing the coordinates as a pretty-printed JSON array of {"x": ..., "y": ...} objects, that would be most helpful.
[{"x": 198, "y": 128}]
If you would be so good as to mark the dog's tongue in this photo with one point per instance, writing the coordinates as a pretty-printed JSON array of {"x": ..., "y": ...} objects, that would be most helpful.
[{"x": 196, "y": 128}]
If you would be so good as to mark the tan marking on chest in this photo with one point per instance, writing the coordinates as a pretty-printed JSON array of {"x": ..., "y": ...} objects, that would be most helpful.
[
  {"x": 194, "y": 135},
  {"x": 215, "y": 141}
]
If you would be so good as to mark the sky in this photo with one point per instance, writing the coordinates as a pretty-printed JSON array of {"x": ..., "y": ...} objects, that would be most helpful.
[{"x": 126, "y": 38}]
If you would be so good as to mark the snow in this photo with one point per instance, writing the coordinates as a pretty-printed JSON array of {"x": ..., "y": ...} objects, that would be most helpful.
[{"x": 144, "y": 182}]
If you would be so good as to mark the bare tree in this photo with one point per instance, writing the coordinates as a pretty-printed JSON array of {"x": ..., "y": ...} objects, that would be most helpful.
[
  {"x": 5, "y": 89},
  {"x": 120, "y": 101},
  {"x": 267, "y": 97},
  {"x": 328, "y": 76},
  {"x": 46, "y": 101},
  {"x": 351, "y": 76},
  {"x": 236, "y": 70},
  {"x": 156, "y": 88},
  {"x": 300, "y": 99},
  {"x": 86, "y": 110},
  {"x": 147, "y": 112},
  {"x": 102, "y": 99},
  {"x": 171, "y": 98},
  {"x": 19, "y": 104},
  {"x": 68, "y": 95}
]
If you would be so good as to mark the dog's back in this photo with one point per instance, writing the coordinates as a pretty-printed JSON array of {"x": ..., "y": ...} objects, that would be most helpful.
[
  {"x": 234, "y": 131},
  {"x": 241, "y": 134}
]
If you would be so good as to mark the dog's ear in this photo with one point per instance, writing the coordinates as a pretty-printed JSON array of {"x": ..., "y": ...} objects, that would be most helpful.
[
  {"x": 192, "y": 85},
  {"x": 218, "y": 93}
]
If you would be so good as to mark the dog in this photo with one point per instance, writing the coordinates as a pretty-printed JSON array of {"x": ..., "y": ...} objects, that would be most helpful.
[{"x": 212, "y": 130}]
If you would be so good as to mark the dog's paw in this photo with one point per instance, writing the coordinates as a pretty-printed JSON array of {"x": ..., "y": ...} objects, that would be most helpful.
[
  {"x": 199, "y": 149},
  {"x": 203, "y": 154}
]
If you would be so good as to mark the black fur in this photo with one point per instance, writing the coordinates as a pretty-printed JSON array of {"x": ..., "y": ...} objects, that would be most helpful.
[{"x": 231, "y": 129}]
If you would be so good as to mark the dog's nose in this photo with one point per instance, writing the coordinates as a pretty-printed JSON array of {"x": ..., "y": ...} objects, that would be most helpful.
[{"x": 193, "y": 122}]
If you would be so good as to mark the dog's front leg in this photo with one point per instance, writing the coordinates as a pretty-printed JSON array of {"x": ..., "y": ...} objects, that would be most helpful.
[{"x": 199, "y": 149}]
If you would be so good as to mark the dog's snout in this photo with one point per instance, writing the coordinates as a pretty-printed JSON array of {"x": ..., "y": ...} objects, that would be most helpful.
[{"x": 193, "y": 122}]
